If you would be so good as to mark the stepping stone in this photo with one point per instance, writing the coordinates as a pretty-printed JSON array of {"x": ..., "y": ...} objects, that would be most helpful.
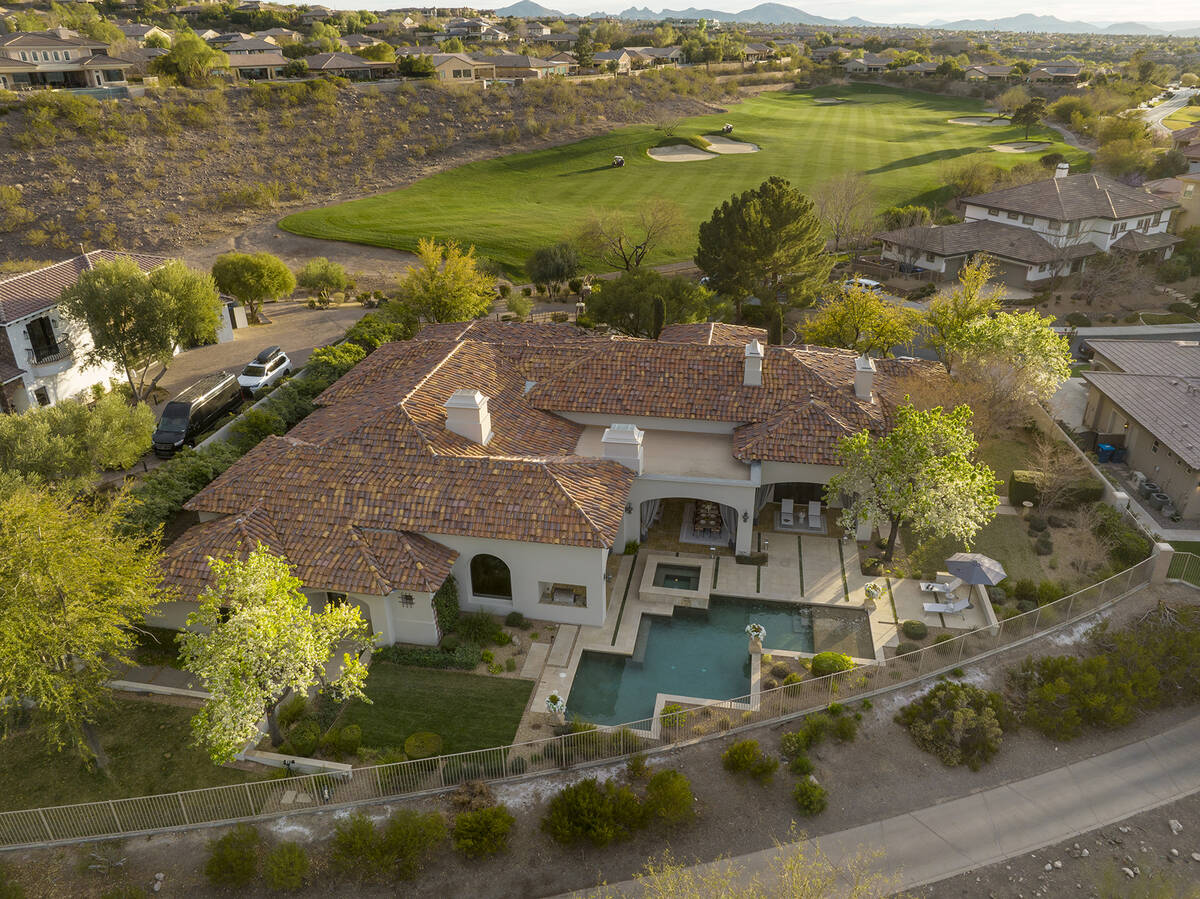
[{"x": 535, "y": 660}]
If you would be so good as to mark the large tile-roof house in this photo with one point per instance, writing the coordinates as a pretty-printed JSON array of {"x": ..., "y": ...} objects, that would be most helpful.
[
  {"x": 1144, "y": 395},
  {"x": 42, "y": 356},
  {"x": 1040, "y": 230},
  {"x": 518, "y": 456},
  {"x": 58, "y": 59}
]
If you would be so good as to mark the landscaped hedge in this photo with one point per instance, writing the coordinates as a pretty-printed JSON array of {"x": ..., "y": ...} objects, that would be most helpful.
[
  {"x": 1022, "y": 487},
  {"x": 1082, "y": 492},
  {"x": 464, "y": 655}
]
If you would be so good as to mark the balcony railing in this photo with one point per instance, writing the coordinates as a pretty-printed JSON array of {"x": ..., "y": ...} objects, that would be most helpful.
[{"x": 61, "y": 350}]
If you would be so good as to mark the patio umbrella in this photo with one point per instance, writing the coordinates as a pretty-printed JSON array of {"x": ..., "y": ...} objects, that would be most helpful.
[{"x": 976, "y": 568}]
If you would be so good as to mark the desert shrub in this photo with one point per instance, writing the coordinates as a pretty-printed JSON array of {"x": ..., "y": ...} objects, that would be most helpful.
[
  {"x": 478, "y": 627},
  {"x": 780, "y": 670},
  {"x": 792, "y": 678},
  {"x": 291, "y": 710},
  {"x": 1025, "y": 589},
  {"x": 959, "y": 723},
  {"x": 322, "y": 276},
  {"x": 304, "y": 736},
  {"x": 1050, "y": 591},
  {"x": 942, "y": 638},
  {"x": 1043, "y": 546},
  {"x": 422, "y": 745},
  {"x": 636, "y": 767},
  {"x": 810, "y": 797},
  {"x": 801, "y": 764},
  {"x": 904, "y": 648},
  {"x": 255, "y": 426},
  {"x": 915, "y": 630},
  {"x": 483, "y": 831},
  {"x": 286, "y": 867},
  {"x": 746, "y": 757},
  {"x": 349, "y": 739},
  {"x": 830, "y": 662},
  {"x": 233, "y": 858},
  {"x": 1078, "y": 320},
  {"x": 516, "y": 619},
  {"x": 407, "y": 839},
  {"x": 595, "y": 812},
  {"x": 1129, "y": 546},
  {"x": 669, "y": 798},
  {"x": 845, "y": 729},
  {"x": 9, "y": 888},
  {"x": 673, "y": 715}
]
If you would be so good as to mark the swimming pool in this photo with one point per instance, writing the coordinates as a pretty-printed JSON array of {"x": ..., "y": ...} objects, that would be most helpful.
[{"x": 701, "y": 653}]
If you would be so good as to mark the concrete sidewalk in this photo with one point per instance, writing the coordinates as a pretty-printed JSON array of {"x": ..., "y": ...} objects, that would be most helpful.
[{"x": 944, "y": 840}]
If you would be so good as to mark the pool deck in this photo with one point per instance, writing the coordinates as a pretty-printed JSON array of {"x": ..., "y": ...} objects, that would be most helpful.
[{"x": 801, "y": 569}]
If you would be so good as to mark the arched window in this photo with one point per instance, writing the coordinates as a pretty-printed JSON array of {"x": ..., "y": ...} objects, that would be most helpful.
[{"x": 490, "y": 577}]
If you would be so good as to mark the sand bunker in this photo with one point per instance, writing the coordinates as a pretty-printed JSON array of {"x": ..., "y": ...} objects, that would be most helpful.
[
  {"x": 1020, "y": 146},
  {"x": 828, "y": 101},
  {"x": 679, "y": 153},
  {"x": 985, "y": 121},
  {"x": 721, "y": 144}
]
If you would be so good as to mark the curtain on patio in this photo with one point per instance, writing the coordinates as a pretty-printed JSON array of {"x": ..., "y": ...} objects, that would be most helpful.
[
  {"x": 729, "y": 519},
  {"x": 650, "y": 509},
  {"x": 762, "y": 496}
]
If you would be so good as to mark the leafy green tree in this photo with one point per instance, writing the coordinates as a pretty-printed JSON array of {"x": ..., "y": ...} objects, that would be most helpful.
[
  {"x": 447, "y": 286},
  {"x": 921, "y": 474},
  {"x": 453, "y": 45},
  {"x": 416, "y": 66},
  {"x": 295, "y": 68},
  {"x": 72, "y": 587},
  {"x": 626, "y": 304},
  {"x": 1030, "y": 114},
  {"x": 137, "y": 320},
  {"x": 768, "y": 242},
  {"x": 1018, "y": 353},
  {"x": 585, "y": 47},
  {"x": 951, "y": 314},
  {"x": 859, "y": 319},
  {"x": 553, "y": 265},
  {"x": 261, "y": 642},
  {"x": 253, "y": 279},
  {"x": 158, "y": 42},
  {"x": 328, "y": 363},
  {"x": 325, "y": 37},
  {"x": 190, "y": 61},
  {"x": 379, "y": 52},
  {"x": 322, "y": 276}
]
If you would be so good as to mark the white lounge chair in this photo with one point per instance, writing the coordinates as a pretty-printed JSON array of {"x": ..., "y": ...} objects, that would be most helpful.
[
  {"x": 947, "y": 608},
  {"x": 939, "y": 587},
  {"x": 785, "y": 513},
  {"x": 814, "y": 514}
]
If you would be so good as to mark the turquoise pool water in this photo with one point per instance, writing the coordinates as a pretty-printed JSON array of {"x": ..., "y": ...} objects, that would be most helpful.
[
  {"x": 678, "y": 577},
  {"x": 693, "y": 653}
]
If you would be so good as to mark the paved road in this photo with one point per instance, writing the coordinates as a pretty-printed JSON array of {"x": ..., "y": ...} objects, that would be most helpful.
[
  {"x": 1154, "y": 115},
  {"x": 993, "y": 825}
]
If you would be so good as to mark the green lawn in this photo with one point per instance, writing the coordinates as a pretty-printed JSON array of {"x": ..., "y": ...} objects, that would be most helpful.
[
  {"x": 469, "y": 711},
  {"x": 1004, "y": 539},
  {"x": 1003, "y": 455},
  {"x": 1182, "y": 118},
  {"x": 508, "y": 206},
  {"x": 148, "y": 752}
]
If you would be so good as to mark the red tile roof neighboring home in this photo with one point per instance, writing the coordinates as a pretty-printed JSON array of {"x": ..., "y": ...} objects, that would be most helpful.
[
  {"x": 31, "y": 292},
  {"x": 712, "y": 333}
]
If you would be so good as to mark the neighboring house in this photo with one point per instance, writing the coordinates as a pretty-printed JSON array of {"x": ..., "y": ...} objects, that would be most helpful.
[
  {"x": 987, "y": 73},
  {"x": 563, "y": 41},
  {"x": 1183, "y": 190},
  {"x": 359, "y": 41},
  {"x": 315, "y": 14},
  {"x": 1145, "y": 396},
  {"x": 220, "y": 41},
  {"x": 279, "y": 35},
  {"x": 248, "y": 46},
  {"x": 759, "y": 52},
  {"x": 1040, "y": 230},
  {"x": 264, "y": 66},
  {"x": 821, "y": 54},
  {"x": 537, "y": 30},
  {"x": 476, "y": 31},
  {"x": 510, "y": 65},
  {"x": 458, "y": 68},
  {"x": 569, "y": 58},
  {"x": 139, "y": 33},
  {"x": 642, "y": 57},
  {"x": 1056, "y": 72},
  {"x": 1185, "y": 137},
  {"x": 869, "y": 64},
  {"x": 42, "y": 356},
  {"x": 347, "y": 65},
  {"x": 519, "y": 457},
  {"x": 46, "y": 59},
  {"x": 924, "y": 69},
  {"x": 602, "y": 58}
]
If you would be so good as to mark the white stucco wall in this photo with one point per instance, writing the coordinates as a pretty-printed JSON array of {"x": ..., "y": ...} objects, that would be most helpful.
[
  {"x": 530, "y": 565},
  {"x": 62, "y": 379},
  {"x": 1096, "y": 230},
  {"x": 739, "y": 495}
]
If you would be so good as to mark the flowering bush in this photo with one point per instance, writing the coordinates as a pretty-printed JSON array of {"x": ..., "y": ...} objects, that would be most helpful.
[
  {"x": 555, "y": 704},
  {"x": 756, "y": 631}
]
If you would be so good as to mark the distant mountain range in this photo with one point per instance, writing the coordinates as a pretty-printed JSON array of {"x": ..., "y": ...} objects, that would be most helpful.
[{"x": 781, "y": 14}]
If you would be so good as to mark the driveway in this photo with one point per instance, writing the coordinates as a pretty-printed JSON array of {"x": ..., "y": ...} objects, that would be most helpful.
[
  {"x": 1154, "y": 115},
  {"x": 295, "y": 327}
]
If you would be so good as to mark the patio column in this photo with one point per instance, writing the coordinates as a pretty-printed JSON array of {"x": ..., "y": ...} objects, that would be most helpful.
[{"x": 745, "y": 530}]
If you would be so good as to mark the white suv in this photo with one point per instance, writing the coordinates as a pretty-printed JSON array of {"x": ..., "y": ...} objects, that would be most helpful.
[{"x": 268, "y": 368}]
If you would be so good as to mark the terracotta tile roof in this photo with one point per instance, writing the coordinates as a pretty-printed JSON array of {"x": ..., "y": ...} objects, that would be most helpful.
[
  {"x": 34, "y": 291},
  {"x": 713, "y": 334}
]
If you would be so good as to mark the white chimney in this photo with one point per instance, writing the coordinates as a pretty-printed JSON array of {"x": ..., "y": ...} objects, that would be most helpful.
[
  {"x": 467, "y": 415},
  {"x": 623, "y": 443},
  {"x": 864, "y": 377},
  {"x": 1062, "y": 170},
  {"x": 754, "y": 363}
]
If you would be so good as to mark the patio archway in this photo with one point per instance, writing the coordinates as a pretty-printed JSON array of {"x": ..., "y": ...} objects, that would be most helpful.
[{"x": 490, "y": 576}]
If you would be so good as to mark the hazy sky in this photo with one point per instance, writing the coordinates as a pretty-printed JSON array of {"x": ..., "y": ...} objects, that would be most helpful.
[{"x": 888, "y": 10}]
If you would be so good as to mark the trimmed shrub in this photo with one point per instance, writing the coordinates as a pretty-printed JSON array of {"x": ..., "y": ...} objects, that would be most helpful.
[
  {"x": 959, "y": 723},
  {"x": 1037, "y": 523},
  {"x": 304, "y": 736},
  {"x": 161, "y": 493},
  {"x": 328, "y": 363},
  {"x": 1083, "y": 492},
  {"x": 371, "y": 332},
  {"x": 464, "y": 656},
  {"x": 746, "y": 757},
  {"x": 669, "y": 798},
  {"x": 286, "y": 867},
  {"x": 801, "y": 764},
  {"x": 915, "y": 630},
  {"x": 830, "y": 663},
  {"x": 483, "y": 832},
  {"x": 349, "y": 739},
  {"x": 810, "y": 797},
  {"x": 780, "y": 670},
  {"x": 445, "y": 605},
  {"x": 1077, "y": 320},
  {"x": 233, "y": 858},
  {"x": 590, "y": 811},
  {"x": 1022, "y": 487},
  {"x": 423, "y": 745},
  {"x": 478, "y": 627},
  {"x": 904, "y": 648},
  {"x": 516, "y": 619}
]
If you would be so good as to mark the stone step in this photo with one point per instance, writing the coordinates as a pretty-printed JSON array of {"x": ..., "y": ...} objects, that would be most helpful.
[
  {"x": 564, "y": 642},
  {"x": 535, "y": 660}
]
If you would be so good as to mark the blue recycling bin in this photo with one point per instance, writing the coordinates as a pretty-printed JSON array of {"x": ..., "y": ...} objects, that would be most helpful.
[{"x": 1104, "y": 451}]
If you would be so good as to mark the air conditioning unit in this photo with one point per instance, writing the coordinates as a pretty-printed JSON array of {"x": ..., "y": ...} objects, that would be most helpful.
[{"x": 1138, "y": 479}]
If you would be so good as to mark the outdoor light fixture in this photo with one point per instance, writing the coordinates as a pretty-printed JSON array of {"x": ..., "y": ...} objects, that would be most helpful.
[
  {"x": 745, "y": 517},
  {"x": 628, "y": 508}
]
